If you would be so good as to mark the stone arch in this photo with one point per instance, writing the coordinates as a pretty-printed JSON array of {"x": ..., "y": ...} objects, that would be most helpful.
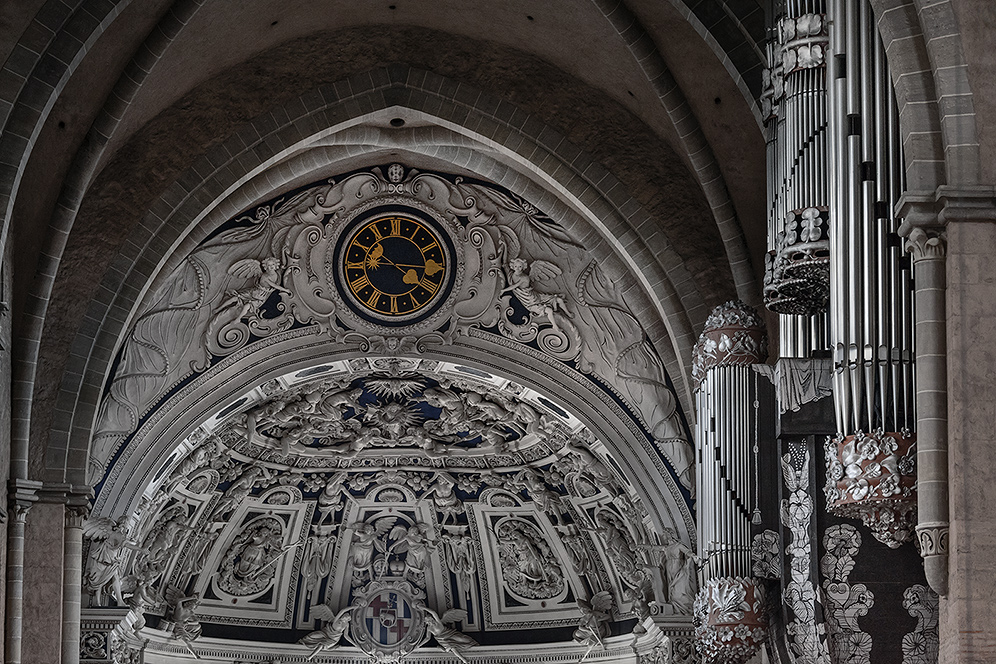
[
  {"x": 78, "y": 179},
  {"x": 162, "y": 435},
  {"x": 700, "y": 154},
  {"x": 936, "y": 112},
  {"x": 588, "y": 182}
]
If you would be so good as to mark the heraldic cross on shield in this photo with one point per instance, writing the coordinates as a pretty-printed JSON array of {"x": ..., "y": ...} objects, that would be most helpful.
[{"x": 388, "y": 617}]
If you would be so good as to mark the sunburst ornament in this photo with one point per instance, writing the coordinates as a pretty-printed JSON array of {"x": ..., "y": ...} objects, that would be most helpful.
[{"x": 401, "y": 386}]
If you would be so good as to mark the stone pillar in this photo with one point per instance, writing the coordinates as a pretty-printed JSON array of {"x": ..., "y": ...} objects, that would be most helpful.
[
  {"x": 72, "y": 583},
  {"x": 928, "y": 249},
  {"x": 22, "y": 496},
  {"x": 964, "y": 320}
]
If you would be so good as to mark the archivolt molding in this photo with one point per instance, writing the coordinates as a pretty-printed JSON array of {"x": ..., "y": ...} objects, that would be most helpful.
[
  {"x": 79, "y": 176},
  {"x": 913, "y": 78},
  {"x": 517, "y": 278},
  {"x": 695, "y": 146},
  {"x": 191, "y": 206},
  {"x": 557, "y": 496}
]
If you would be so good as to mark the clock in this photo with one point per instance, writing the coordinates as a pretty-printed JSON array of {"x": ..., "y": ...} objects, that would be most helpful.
[{"x": 394, "y": 267}]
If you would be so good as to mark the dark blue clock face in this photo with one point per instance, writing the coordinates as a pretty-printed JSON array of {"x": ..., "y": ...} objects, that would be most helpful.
[{"x": 394, "y": 267}]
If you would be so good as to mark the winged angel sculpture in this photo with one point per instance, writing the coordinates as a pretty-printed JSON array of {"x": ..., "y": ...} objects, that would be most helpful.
[
  {"x": 331, "y": 633},
  {"x": 448, "y": 637},
  {"x": 108, "y": 550},
  {"x": 594, "y": 626}
]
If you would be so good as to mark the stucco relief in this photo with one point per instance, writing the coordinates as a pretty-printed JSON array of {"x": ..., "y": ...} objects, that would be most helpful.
[{"x": 515, "y": 272}]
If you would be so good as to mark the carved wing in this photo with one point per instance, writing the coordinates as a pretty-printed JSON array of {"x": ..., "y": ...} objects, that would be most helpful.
[
  {"x": 322, "y": 612},
  {"x": 384, "y": 525},
  {"x": 247, "y": 268},
  {"x": 174, "y": 596},
  {"x": 98, "y": 528},
  {"x": 543, "y": 270},
  {"x": 398, "y": 533},
  {"x": 453, "y": 616}
]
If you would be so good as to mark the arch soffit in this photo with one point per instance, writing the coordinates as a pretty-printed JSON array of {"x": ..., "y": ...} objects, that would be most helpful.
[
  {"x": 171, "y": 24},
  {"x": 936, "y": 110},
  {"x": 594, "y": 192},
  {"x": 235, "y": 376}
]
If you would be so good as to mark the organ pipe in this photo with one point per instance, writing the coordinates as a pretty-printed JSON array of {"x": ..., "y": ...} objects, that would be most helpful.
[
  {"x": 796, "y": 282},
  {"x": 870, "y": 461}
]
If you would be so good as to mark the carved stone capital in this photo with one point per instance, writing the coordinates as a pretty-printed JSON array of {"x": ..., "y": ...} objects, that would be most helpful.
[
  {"x": 76, "y": 515},
  {"x": 933, "y": 539},
  {"x": 927, "y": 244},
  {"x": 21, "y": 495}
]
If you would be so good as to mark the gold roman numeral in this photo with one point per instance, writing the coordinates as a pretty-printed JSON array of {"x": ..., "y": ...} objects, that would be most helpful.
[
  {"x": 360, "y": 283},
  {"x": 395, "y": 226},
  {"x": 372, "y": 300},
  {"x": 394, "y": 304},
  {"x": 428, "y": 285}
]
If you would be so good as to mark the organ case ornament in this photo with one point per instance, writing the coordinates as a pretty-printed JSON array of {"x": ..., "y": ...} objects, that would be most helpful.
[
  {"x": 734, "y": 335},
  {"x": 797, "y": 265},
  {"x": 797, "y": 271},
  {"x": 730, "y": 621},
  {"x": 871, "y": 477}
]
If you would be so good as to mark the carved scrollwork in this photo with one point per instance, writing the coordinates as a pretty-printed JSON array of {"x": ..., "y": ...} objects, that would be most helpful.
[
  {"x": 932, "y": 539},
  {"x": 517, "y": 274}
]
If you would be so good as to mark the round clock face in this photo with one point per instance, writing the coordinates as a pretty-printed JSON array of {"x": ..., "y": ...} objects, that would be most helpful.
[{"x": 394, "y": 267}]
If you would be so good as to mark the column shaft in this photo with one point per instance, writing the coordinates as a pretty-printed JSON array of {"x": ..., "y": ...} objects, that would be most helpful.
[{"x": 72, "y": 583}]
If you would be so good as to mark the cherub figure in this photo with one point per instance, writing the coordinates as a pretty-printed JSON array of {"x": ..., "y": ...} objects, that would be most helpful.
[
  {"x": 268, "y": 280},
  {"x": 331, "y": 632},
  {"x": 521, "y": 277},
  {"x": 594, "y": 626},
  {"x": 444, "y": 498},
  {"x": 448, "y": 637},
  {"x": 182, "y": 610},
  {"x": 362, "y": 549}
]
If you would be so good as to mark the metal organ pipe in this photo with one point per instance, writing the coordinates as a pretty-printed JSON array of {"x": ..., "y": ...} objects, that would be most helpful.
[
  {"x": 725, "y": 426},
  {"x": 871, "y": 296},
  {"x": 796, "y": 282}
]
